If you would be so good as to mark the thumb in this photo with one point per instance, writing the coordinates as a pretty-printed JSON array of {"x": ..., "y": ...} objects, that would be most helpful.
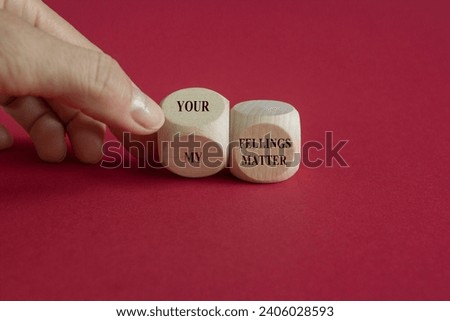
[{"x": 33, "y": 63}]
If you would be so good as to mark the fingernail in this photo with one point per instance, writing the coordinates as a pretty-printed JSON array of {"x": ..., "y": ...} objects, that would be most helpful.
[{"x": 145, "y": 111}]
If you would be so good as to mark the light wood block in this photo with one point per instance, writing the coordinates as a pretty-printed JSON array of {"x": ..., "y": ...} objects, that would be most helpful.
[
  {"x": 265, "y": 141},
  {"x": 193, "y": 141}
]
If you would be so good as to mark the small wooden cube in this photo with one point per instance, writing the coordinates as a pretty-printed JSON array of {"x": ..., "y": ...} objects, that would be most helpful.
[
  {"x": 265, "y": 141},
  {"x": 193, "y": 141}
]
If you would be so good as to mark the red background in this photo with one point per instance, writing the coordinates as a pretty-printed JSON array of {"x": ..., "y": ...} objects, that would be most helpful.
[{"x": 376, "y": 73}]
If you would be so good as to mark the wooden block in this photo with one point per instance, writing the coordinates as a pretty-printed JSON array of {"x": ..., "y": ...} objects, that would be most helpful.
[
  {"x": 265, "y": 141},
  {"x": 193, "y": 141}
]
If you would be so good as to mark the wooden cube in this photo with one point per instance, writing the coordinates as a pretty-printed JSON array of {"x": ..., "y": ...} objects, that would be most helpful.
[
  {"x": 265, "y": 141},
  {"x": 193, "y": 141}
]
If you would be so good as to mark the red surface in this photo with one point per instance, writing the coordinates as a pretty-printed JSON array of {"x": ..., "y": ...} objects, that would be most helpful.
[{"x": 374, "y": 72}]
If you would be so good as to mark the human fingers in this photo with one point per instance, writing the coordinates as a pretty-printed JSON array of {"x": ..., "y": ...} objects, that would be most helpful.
[
  {"x": 42, "y": 124},
  {"x": 84, "y": 79},
  {"x": 85, "y": 133},
  {"x": 87, "y": 136}
]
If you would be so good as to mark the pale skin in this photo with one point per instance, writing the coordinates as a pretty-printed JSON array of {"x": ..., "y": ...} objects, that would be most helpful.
[{"x": 53, "y": 82}]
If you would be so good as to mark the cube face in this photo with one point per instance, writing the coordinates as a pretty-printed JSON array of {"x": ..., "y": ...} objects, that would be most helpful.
[
  {"x": 194, "y": 107},
  {"x": 265, "y": 141},
  {"x": 193, "y": 141},
  {"x": 192, "y": 155}
]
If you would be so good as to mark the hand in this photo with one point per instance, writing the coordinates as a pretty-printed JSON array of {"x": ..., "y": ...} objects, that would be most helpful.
[{"x": 53, "y": 81}]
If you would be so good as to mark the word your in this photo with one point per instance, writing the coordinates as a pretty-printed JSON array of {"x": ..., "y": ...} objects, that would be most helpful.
[{"x": 200, "y": 105}]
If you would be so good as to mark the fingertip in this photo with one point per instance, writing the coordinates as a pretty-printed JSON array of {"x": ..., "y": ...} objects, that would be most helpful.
[
  {"x": 88, "y": 154},
  {"x": 6, "y": 140},
  {"x": 87, "y": 137},
  {"x": 48, "y": 136}
]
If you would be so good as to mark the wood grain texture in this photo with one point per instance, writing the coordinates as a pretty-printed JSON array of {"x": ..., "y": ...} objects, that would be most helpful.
[
  {"x": 193, "y": 141},
  {"x": 265, "y": 141}
]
